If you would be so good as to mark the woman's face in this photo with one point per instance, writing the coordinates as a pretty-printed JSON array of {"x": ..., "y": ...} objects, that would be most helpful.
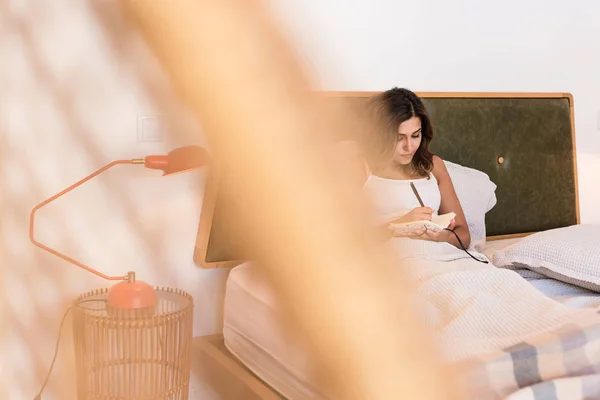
[{"x": 409, "y": 140}]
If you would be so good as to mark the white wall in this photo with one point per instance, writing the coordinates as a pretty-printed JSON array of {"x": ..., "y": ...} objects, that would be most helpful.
[
  {"x": 73, "y": 81},
  {"x": 74, "y": 78}
]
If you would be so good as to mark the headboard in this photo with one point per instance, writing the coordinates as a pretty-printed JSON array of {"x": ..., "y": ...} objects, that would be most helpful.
[{"x": 525, "y": 142}]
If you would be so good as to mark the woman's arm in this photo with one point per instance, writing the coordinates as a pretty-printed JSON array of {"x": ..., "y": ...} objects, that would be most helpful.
[{"x": 450, "y": 203}]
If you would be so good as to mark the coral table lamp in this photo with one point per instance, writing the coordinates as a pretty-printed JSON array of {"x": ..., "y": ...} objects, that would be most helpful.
[{"x": 133, "y": 340}]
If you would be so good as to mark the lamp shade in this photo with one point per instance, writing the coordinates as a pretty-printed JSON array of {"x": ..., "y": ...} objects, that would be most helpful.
[{"x": 178, "y": 160}]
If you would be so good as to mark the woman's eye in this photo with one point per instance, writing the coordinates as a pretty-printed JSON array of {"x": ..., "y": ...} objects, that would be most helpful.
[{"x": 416, "y": 136}]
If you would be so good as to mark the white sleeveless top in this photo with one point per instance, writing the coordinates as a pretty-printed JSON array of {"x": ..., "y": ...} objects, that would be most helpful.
[{"x": 393, "y": 197}]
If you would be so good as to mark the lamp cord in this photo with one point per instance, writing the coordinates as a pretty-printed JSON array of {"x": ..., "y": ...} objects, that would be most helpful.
[
  {"x": 62, "y": 323},
  {"x": 463, "y": 247}
]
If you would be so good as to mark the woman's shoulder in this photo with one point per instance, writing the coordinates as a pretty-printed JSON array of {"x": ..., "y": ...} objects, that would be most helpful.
[
  {"x": 438, "y": 162},
  {"x": 439, "y": 170}
]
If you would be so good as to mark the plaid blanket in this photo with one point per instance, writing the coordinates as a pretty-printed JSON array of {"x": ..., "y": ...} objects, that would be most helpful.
[{"x": 560, "y": 364}]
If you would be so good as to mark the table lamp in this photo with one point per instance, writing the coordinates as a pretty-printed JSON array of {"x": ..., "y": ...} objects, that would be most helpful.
[{"x": 133, "y": 340}]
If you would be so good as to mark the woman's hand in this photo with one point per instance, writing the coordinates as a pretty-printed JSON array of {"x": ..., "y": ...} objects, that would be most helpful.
[
  {"x": 452, "y": 224},
  {"x": 427, "y": 234},
  {"x": 416, "y": 214}
]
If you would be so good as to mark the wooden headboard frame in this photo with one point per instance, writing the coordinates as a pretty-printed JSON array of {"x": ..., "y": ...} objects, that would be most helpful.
[{"x": 212, "y": 183}]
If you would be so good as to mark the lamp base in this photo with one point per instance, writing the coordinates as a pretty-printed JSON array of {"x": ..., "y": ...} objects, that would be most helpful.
[
  {"x": 131, "y": 295},
  {"x": 120, "y": 354}
]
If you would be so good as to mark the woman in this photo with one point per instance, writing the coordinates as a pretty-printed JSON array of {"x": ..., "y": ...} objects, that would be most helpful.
[
  {"x": 399, "y": 155},
  {"x": 454, "y": 292}
]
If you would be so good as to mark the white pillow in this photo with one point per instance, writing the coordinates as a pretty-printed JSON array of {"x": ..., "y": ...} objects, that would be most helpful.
[
  {"x": 477, "y": 195},
  {"x": 570, "y": 254}
]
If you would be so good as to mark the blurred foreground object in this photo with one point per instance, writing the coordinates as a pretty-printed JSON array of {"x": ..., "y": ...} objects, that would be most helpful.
[
  {"x": 265, "y": 125},
  {"x": 132, "y": 341}
]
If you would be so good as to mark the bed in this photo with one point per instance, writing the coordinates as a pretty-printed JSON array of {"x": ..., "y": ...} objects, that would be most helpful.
[{"x": 524, "y": 144}]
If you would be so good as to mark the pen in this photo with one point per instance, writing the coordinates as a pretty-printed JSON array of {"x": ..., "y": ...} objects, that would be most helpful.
[{"x": 414, "y": 189}]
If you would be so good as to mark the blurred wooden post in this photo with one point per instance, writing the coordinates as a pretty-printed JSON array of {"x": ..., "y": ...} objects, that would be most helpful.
[{"x": 229, "y": 62}]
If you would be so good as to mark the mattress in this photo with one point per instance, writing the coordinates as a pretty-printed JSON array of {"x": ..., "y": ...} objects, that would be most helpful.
[
  {"x": 254, "y": 328},
  {"x": 254, "y": 331}
]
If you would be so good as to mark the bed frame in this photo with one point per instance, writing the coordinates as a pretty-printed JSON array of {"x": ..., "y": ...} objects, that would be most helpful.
[
  {"x": 225, "y": 374},
  {"x": 501, "y": 132}
]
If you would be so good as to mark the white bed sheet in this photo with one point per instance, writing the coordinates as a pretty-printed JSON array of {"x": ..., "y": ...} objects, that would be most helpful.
[
  {"x": 494, "y": 245},
  {"x": 253, "y": 327}
]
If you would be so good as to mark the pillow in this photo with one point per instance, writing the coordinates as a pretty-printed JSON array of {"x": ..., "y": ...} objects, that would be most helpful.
[
  {"x": 477, "y": 195},
  {"x": 570, "y": 255}
]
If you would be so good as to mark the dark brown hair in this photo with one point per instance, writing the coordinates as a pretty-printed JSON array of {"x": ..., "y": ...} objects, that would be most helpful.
[{"x": 389, "y": 109}]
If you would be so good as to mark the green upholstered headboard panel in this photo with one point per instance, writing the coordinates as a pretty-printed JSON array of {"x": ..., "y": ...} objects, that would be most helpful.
[
  {"x": 536, "y": 183},
  {"x": 532, "y": 134}
]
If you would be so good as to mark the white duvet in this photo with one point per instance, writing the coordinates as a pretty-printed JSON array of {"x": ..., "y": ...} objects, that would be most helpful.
[{"x": 474, "y": 308}]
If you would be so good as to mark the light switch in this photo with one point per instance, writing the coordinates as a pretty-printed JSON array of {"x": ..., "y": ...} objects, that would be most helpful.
[{"x": 150, "y": 128}]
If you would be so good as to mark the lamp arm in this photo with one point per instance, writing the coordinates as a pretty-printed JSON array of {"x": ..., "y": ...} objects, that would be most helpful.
[{"x": 56, "y": 196}]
